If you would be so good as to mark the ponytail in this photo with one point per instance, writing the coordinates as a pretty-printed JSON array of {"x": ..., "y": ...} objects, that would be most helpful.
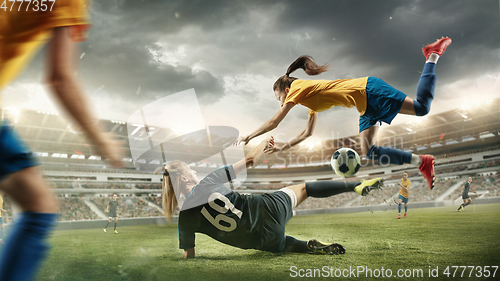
[
  {"x": 307, "y": 63},
  {"x": 171, "y": 172}
]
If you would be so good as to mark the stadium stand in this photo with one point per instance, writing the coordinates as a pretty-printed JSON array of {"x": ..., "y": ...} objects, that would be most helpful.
[{"x": 463, "y": 147}]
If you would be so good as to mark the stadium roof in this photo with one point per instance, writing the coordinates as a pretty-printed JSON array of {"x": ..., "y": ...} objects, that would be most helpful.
[{"x": 469, "y": 128}]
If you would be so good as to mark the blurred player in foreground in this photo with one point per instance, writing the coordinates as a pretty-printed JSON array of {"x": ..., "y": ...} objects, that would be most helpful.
[
  {"x": 2, "y": 223},
  {"x": 244, "y": 221},
  {"x": 112, "y": 210},
  {"x": 23, "y": 30},
  {"x": 404, "y": 193},
  {"x": 375, "y": 100},
  {"x": 465, "y": 194}
]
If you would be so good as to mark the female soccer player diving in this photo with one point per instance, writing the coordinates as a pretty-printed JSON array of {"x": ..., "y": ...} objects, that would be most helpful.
[
  {"x": 375, "y": 100},
  {"x": 245, "y": 221}
]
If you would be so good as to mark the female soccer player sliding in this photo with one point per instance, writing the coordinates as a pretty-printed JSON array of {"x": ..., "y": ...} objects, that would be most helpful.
[
  {"x": 244, "y": 221},
  {"x": 375, "y": 100},
  {"x": 23, "y": 30}
]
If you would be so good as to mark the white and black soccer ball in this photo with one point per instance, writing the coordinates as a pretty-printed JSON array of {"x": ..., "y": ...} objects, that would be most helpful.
[{"x": 345, "y": 162}]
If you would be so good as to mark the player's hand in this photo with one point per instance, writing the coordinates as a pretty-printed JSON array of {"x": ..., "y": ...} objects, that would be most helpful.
[
  {"x": 270, "y": 148},
  {"x": 242, "y": 139},
  {"x": 110, "y": 149}
]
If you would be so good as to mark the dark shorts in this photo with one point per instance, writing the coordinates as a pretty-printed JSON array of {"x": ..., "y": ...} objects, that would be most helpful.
[
  {"x": 465, "y": 196},
  {"x": 404, "y": 200},
  {"x": 277, "y": 211},
  {"x": 383, "y": 103},
  {"x": 112, "y": 215},
  {"x": 15, "y": 155}
]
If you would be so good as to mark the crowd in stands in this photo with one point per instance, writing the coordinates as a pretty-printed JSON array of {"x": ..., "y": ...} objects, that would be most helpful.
[
  {"x": 336, "y": 201},
  {"x": 489, "y": 185},
  {"x": 130, "y": 207},
  {"x": 75, "y": 209},
  {"x": 419, "y": 192},
  {"x": 148, "y": 186},
  {"x": 155, "y": 199},
  {"x": 103, "y": 185},
  {"x": 7, "y": 206}
]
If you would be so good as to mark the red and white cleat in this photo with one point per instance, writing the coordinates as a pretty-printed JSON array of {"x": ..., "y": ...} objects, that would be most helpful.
[
  {"x": 437, "y": 47},
  {"x": 427, "y": 169}
]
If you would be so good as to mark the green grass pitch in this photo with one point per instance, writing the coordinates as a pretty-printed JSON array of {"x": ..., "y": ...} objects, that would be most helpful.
[{"x": 434, "y": 237}]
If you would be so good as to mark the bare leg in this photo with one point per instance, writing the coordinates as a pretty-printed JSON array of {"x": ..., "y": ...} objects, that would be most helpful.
[
  {"x": 300, "y": 192},
  {"x": 368, "y": 138},
  {"x": 29, "y": 190}
]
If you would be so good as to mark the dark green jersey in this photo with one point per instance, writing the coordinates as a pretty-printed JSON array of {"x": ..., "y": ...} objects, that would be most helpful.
[
  {"x": 112, "y": 206},
  {"x": 215, "y": 210},
  {"x": 466, "y": 188}
]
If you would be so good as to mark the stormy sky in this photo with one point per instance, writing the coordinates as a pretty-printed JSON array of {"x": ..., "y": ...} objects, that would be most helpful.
[{"x": 231, "y": 52}]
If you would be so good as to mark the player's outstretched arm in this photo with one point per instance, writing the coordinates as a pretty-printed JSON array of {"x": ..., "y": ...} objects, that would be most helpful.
[
  {"x": 269, "y": 125},
  {"x": 254, "y": 155},
  {"x": 308, "y": 131},
  {"x": 64, "y": 85},
  {"x": 189, "y": 253}
]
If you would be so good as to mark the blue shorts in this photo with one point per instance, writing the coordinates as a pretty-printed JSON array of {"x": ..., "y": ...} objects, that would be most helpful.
[
  {"x": 404, "y": 200},
  {"x": 1, "y": 220},
  {"x": 15, "y": 155},
  {"x": 383, "y": 103}
]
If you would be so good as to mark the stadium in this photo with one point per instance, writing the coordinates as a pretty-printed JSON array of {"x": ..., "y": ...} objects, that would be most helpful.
[{"x": 464, "y": 141}]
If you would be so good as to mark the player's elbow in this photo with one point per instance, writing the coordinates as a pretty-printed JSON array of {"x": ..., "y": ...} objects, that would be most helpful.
[
  {"x": 307, "y": 134},
  {"x": 272, "y": 124},
  {"x": 58, "y": 79},
  {"x": 250, "y": 161}
]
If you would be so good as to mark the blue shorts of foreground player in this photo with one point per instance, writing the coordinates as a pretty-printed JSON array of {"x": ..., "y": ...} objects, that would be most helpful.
[
  {"x": 383, "y": 103},
  {"x": 404, "y": 200},
  {"x": 15, "y": 154}
]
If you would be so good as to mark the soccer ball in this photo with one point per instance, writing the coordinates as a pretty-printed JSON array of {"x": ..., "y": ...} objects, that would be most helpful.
[{"x": 345, "y": 162}]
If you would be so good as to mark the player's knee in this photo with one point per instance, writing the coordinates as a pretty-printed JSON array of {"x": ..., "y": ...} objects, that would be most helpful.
[
  {"x": 421, "y": 109},
  {"x": 371, "y": 152}
]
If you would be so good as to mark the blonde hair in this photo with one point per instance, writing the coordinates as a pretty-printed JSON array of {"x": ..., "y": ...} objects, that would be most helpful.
[{"x": 170, "y": 186}]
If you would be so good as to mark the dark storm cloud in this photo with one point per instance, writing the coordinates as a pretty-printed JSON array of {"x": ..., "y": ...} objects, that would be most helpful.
[
  {"x": 253, "y": 42},
  {"x": 373, "y": 38}
]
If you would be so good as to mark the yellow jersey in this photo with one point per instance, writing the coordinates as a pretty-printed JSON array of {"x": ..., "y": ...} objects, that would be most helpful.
[
  {"x": 23, "y": 30},
  {"x": 321, "y": 95},
  {"x": 406, "y": 184}
]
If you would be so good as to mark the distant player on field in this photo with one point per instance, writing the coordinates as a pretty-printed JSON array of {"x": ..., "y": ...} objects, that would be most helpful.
[
  {"x": 26, "y": 26},
  {"x": 375, "y": 100},
  {"x": 112, "y": 210},
  {"x": 244, "y": 221},
  {"x": 465, "y": 195},
  {"x": 404, "y": 193}
]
